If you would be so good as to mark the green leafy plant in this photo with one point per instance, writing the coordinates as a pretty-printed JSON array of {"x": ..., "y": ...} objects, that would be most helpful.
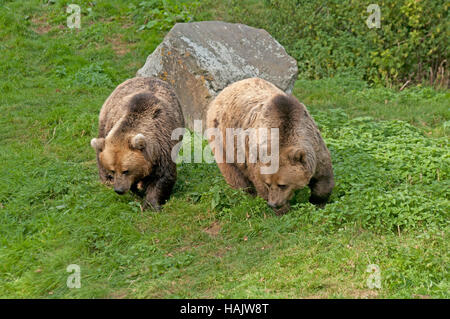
[
  {"x": 162, "y": 14},
  {"x": 330, "y": 37},
  {"x": 92, "y": 75}
]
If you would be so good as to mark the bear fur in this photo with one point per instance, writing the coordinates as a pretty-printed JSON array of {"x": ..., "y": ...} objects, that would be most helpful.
[
  {"x": 304, "y": 159},
  {"x": 134, "y": 142}
]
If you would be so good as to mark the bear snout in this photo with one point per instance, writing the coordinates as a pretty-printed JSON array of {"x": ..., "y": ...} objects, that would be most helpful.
[
  {"x": 120, "y": 190},
  {"x": 274, "y": 204}
]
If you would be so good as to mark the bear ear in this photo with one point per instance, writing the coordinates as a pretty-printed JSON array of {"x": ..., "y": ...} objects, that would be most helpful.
[
  {"x": 98, "y": 144},
  {"x": 138, "y": 142},
  {"x": 303, "y": 156},
  {"x": 297, "y": 155}
]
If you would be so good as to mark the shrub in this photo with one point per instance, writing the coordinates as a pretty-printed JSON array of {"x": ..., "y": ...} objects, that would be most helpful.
[{"x": 331, "y": 37}]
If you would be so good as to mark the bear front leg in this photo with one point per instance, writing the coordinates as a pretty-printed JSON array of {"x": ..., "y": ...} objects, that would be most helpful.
[
  {"x": 234, "y": 177},
  {"x": 103, "y": 173},
  {"x": 321, "y": 189},
  {"x": 152, "y": 200},
  {"x": 261, "y": 189},
  {"x": 158, "y": 192}
]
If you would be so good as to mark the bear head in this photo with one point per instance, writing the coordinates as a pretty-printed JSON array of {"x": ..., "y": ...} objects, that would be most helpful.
[
  {"x": 124, "y": 159},
  {"x": 296, "y": 167}
]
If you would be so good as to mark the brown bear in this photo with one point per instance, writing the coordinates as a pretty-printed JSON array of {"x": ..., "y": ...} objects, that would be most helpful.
[
  {"x": 303, "y": 158},
  {"x": 134, "y": 142}
]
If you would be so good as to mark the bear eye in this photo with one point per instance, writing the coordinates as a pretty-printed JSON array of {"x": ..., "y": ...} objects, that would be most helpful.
[
  {"x": 282, "y": 186},
  {"x": 125, "y": 172},
  {"x": 113, "y": 172}
]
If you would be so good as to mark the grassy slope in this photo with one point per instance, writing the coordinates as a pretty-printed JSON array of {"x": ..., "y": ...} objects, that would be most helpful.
[{"x": 390, "y": 205}]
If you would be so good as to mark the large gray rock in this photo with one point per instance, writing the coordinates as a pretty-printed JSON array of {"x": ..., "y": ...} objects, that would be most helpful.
[{"x": 200, "y": 59}]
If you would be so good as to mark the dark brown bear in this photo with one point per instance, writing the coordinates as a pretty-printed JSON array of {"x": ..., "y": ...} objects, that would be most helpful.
[
  {"x": 134, "y": 141},
  {"x": 304, "y": 159}
]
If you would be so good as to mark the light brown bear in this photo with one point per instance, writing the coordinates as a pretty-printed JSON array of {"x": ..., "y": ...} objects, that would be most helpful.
[
  {"x": 304, "y": 159},
  {"x": 134, "y": 142}
]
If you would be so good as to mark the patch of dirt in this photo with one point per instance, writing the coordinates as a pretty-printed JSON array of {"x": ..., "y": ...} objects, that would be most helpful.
[
  {"x": 41, "y": 25},
  {"x": 186, "y": 248},
  {"x": 120, "y": 294},
  {"x": 119, "y": 46},
  {"x": 127, "y": 25},
  {"x": 213, "y": 230},
  {"x": 314, "y": 297},
  {"x": 222, "y": 251},
  {"x": 364, "y": 294},
  {"x": 355, "y": 294}
]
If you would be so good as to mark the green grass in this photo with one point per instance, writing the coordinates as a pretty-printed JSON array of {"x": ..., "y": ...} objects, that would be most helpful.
[{"x": 390, "y": 206}]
